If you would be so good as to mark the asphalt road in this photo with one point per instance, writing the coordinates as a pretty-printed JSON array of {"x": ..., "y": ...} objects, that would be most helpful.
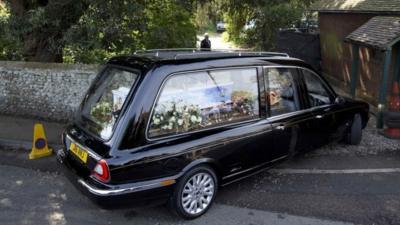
[{"x": 299, "y": 191}]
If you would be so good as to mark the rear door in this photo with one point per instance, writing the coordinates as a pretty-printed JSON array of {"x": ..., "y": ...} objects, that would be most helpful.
[{"x": 283, "y": 109}]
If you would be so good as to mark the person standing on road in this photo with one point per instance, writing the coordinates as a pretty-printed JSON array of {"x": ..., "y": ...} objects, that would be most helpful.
[{"x": 205, "y": 44}]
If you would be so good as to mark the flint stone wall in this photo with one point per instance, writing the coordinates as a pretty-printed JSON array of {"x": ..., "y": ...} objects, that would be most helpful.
[{"x": 48, "y": 91}]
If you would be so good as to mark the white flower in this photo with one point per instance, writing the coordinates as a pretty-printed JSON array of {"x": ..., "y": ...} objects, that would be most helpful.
[
  {"x": 170, "y": 126},
  {"x": 193, "y": 118},
  {"x": 180, "y": 122},
  {"x": 161, "y": 118},
  {"x": 172, "y": 119},
  {"x": 157, "y": 121},
  {"x": 199, "y": 119},
  {"x": 164, "y": 127}
]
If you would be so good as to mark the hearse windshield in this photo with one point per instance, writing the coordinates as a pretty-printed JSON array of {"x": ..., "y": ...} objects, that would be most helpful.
[{"x": 105, "y": 100}]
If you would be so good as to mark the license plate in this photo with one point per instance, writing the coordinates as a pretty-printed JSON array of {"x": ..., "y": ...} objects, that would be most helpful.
[{"x": 79, "y": 152}]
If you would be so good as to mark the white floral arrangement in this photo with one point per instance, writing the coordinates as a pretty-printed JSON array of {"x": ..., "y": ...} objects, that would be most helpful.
[
  {"x": 175, "y": 116},
  {"x": 102, "y": 112}
]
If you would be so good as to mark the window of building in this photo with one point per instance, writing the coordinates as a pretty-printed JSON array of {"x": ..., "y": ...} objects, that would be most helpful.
[
  {"x": 281, "y": 92},
  {"x": 318, "y": 94},
  {"x": 194, "y": 101}
]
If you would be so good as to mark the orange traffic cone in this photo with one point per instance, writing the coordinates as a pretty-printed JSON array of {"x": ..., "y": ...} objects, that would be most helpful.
[
  {"x": 392, "y": 117},
  {"x": 40, "y": 147}
]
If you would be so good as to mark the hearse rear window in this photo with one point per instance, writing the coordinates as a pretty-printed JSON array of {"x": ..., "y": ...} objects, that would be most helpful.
[
  {"x": 194, "y": 101},
  {"x": 104, "y": 103}
]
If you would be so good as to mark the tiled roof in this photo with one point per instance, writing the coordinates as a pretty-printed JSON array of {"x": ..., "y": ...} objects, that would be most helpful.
[
  {"x": 379, "y": 32},
  {"x": 392, "y": 6}
]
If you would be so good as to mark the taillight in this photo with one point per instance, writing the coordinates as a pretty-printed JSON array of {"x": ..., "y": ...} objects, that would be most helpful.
[{"x": 101, "y": 171}]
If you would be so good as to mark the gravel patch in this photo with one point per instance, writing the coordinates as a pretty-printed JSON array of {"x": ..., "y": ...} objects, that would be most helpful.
[{"x": 373, "y": 143}]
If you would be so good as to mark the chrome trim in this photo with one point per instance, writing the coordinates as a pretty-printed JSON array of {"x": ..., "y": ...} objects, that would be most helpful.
[
  {"x": 298, "y": 112},
  {"x": 88, "y": 150},
  {"x": 117, "y": 190}
]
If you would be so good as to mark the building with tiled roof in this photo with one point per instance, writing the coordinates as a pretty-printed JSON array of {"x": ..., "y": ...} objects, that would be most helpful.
[
  {"x": 360, "y": 45},
  {"x": 381, "y": 32},
  {"x": 366, "y": 6}
]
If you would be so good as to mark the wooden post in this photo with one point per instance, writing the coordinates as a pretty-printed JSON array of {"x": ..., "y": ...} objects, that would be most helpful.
[
  {"x": 383, "y": 88},
  {"x": 354, "y": 70}
]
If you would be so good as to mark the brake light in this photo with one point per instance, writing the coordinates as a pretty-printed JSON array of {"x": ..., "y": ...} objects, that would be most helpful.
[{"x": 101, "y": 171}]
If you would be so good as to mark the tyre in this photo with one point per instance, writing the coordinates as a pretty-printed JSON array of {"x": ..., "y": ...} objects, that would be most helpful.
[
  {"x": 354, "y": 134},
  {"x": 194, "y": 193}
]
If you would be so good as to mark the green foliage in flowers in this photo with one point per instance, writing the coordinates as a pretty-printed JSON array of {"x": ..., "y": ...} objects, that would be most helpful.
[{"x": 102, "y": 112}]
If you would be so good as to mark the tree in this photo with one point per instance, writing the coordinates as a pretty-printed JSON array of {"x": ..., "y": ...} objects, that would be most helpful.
[
  {"x": 92, "y": 30},
  {"x": 6, "y": 40},
  {"x": 40, "y": 25},
  {"x": 105, "y": 29},
  {"x": 269, "y": 17},
  {"x": 169, "y": 25}
]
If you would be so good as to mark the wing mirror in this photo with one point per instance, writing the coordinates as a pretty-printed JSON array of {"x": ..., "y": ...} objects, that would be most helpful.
[{"x": 340, "y": 100}]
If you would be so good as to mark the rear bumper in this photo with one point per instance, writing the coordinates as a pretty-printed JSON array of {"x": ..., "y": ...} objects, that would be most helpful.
[{"x": 140, "y": 193}]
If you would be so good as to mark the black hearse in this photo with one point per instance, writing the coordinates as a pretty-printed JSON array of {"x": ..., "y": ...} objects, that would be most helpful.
[{"x": 173, "y": 126}]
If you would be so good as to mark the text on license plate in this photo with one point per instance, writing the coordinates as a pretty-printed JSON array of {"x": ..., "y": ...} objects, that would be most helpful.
[{"x": 79, "y": 152}]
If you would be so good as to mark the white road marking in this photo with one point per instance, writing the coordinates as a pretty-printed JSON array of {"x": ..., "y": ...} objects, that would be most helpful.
[{"x": 345, "y": 171}]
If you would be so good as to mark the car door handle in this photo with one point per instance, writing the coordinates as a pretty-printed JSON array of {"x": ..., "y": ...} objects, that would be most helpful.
[
  {"x": 319, "y": 116},
  {"x": 281, "y": 127}
]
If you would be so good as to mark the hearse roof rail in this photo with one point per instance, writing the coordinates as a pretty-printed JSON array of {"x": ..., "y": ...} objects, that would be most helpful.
[{"x": 191, "y": 53}]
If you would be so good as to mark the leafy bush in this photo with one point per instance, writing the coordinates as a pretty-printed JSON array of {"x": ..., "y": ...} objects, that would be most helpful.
[
  {"x": 92, "y": 31},
  {"x": 169, "y": 25},
  {"x": 269, "y": 17},
  {"x": 9, "y": 46}
]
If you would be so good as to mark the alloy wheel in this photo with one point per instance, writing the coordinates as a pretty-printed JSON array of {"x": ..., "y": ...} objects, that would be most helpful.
[{"x": 197, "y": 193}]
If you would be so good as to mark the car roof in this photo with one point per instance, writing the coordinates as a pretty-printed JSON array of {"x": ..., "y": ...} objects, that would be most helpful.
[{"x": 148, "y": 58}]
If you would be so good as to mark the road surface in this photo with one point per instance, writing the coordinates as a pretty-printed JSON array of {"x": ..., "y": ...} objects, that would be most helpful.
[{"x": 296, "y": 192}]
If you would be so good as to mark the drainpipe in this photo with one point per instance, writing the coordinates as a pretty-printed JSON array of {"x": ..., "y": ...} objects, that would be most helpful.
[
  {"x": 383, "y": 88},
  {"x": 354, "y": 70}
]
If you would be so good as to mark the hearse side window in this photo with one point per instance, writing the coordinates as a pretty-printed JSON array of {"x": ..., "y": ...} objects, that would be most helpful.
[
  {"x": 194, "y": 101},
  {"x": 318, "y": 95},
  {"x": 281, "y": 92}
]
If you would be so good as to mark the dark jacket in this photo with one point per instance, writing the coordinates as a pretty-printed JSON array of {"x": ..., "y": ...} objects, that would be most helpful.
[{"x": 205, "y": 43}]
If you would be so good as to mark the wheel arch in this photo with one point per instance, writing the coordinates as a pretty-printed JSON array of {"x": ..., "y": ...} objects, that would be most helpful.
[{"x": 212, "y": 163}]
